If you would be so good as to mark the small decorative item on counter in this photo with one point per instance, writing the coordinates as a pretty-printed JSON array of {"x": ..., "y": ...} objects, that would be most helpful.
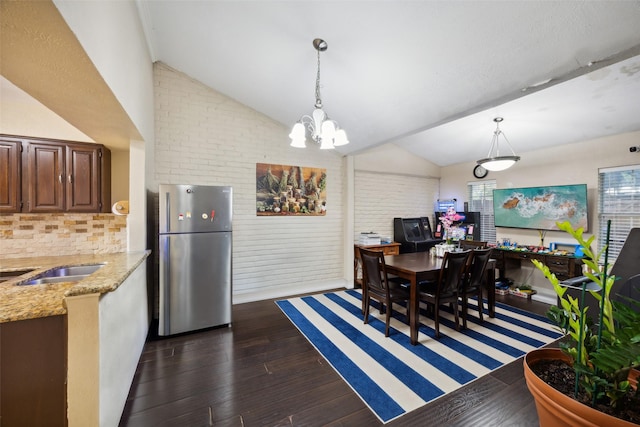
[
  {"x": 442, "y": 248},
  {"x": 121, "y": 207}
]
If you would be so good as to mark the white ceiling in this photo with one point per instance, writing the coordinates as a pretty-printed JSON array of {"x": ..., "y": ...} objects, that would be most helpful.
[{"x": 429, "y": 76}]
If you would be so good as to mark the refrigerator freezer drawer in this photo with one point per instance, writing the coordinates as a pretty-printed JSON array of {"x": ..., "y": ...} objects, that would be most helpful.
[{"x": 195, "y": 281}]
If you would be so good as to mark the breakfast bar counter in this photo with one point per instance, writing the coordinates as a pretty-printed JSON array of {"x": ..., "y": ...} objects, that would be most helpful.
[
  {"x": 72, "y": 330},
  {"x": 22, "y": 302}
]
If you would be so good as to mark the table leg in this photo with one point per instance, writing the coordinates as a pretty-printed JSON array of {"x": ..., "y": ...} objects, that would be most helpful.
[
  {"x": 491, "y": 291},
  {"x": 414, "y": 313},
  {"x": 356, "y": 264}
]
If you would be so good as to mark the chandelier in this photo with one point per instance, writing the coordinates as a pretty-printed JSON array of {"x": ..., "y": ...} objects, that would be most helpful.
[
  {"x": 494, "y": 161},
  {"x": 322, "y": 130}
]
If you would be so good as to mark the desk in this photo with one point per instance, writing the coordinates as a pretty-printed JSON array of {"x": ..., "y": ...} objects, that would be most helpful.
[
  {"x": 418, "y": 266},
  {"x": 387, "y": 248},
  {"x": 563, "y": 266}
]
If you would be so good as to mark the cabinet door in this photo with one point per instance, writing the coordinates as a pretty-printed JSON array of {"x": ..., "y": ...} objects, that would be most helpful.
[
  {"x": 10, "y": 194},
  {"x": 45, "y": 164},
  {"x": 83, "y": 178}
]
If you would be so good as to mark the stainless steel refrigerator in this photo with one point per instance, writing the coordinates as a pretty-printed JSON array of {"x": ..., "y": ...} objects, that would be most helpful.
[{"x": 194, "y": 257}]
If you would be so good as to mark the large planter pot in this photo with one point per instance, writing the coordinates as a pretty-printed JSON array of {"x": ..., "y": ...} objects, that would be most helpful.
[{"x": 556, "y": 409}]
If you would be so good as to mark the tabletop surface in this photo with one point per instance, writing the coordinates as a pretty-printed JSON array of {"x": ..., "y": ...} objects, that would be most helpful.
[{"x": 414, "y": 262}]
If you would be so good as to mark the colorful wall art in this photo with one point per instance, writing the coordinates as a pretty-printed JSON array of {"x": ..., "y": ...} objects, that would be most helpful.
[
  {"x": 541, "y": 208},
  {"x": 290, "y": 190}
]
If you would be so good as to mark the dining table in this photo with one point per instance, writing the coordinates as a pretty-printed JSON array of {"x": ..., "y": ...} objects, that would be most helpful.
[{"x": 417, "y": 267}]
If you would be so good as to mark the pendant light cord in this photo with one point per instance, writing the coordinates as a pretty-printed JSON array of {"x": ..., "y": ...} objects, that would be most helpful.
[{"x": 318, "y": 100}]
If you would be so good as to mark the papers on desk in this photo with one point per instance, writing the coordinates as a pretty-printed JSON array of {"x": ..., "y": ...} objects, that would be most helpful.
[{"x": 369, "y": 238}]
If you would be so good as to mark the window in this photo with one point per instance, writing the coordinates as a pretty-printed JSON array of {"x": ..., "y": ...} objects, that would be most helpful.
[
  {"x": 618, "y": 201},
  {"x": 481, "y": 200}
]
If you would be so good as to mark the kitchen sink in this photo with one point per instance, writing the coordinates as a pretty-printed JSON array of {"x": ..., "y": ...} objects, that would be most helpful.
[
  {"x": 9, "y": 275},
  {"x": 73, "y": 273}
]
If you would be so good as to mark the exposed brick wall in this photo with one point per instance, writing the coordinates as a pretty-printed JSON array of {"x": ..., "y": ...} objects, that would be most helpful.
[
  {"x": 203, "y": 137},
  {"x": 24, "y": 235},
  {"x": 381, "y": 197}
]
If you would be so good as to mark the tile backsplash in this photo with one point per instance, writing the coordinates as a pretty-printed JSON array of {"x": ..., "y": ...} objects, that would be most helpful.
[{"x": 25, "y": 235}]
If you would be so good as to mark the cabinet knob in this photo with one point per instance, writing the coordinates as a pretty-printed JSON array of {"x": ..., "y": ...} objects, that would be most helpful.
[
  {"x": 60, "y": 178},
  {"x": 70, "y": 179}
]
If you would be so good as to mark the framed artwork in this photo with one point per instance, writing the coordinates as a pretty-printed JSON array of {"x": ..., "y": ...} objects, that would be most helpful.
[
  {"x": 540, "y": 208},
  {"x": 290, "y": 190}
]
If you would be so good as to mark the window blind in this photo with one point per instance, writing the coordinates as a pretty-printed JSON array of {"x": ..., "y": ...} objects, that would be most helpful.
[
  {"x": 618, "y": 201},
  {"x": 480, "y": 196}
]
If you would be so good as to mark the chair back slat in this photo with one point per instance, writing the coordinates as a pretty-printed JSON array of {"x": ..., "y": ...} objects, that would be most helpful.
[
  {"x": 453, "y": 270},
  {"x": 479, "y": 261},
  {"x": 374, "y": 270}
]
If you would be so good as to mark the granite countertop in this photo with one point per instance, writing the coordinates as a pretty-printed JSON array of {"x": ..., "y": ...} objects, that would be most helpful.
[{"x": 33, "y": 301}]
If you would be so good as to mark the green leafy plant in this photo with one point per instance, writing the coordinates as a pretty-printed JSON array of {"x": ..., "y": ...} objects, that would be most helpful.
[{"x": 603, "y": 350}]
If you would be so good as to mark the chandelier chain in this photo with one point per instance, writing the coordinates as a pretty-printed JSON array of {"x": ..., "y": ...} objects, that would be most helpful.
[{"x": 318, "y": 99}]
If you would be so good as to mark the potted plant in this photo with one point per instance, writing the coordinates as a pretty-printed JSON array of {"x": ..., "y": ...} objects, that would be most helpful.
[{"x": 597, "y": 359}]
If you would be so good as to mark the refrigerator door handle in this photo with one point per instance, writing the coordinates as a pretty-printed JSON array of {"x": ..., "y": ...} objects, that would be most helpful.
[{"x": 167, "y": 207}]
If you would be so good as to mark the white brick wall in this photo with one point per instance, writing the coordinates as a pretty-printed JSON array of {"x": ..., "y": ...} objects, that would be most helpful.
[
  {"x": 204, "y": 137},
  {"x": 380, "y": 197}
]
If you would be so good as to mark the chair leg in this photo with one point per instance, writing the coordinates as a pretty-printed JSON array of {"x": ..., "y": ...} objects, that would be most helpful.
[
  {"x": 480, "y": 305},
  {"x": 465, "y": 309},
  {"x": 437, "y": 320},
  {"x": 430, "y": 309},
  {"x": 455, "y": 310},
  {"x": 367, "y": 302},
  {"x": 388, "y": 320}
]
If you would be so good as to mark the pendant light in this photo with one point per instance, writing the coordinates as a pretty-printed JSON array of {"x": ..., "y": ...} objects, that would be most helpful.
[{"x": 494, "y": 161}]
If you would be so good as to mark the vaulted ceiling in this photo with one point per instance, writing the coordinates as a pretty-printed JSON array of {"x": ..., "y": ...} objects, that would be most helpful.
[{"x": 429, "y": 76}]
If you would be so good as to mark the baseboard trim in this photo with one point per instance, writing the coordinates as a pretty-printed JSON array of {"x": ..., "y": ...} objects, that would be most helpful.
[
  {"x": 288, "y": 291},
  {"x": 547, "y": 299}
]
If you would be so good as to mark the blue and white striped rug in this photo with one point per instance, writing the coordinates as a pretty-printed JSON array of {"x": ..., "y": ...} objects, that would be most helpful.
[{"x": 389, "y": 374}]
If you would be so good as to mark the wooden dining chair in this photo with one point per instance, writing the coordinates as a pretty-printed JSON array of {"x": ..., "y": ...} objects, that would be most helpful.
[
  {"x": 376, "y": 285},
  {"x": 474, "y": 282},
  {"x": 447, "y": 288}
]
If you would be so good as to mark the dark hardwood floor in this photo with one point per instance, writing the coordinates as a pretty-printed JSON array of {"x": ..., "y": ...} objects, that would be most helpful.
[{"x": 263, "y": 372}]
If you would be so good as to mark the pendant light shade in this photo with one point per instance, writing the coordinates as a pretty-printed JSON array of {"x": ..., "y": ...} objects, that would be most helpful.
[
  {"x": 494, "y": 161},
  {"x": 297, "y": 136}
]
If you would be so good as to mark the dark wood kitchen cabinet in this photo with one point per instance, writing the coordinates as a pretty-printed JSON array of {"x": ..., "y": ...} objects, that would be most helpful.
[
  {"x": 10, "y": 173},
  {"x": 83, "y": 178},
  {"x": 33, "y": 372},
  {"x": 62, "y": 176},
  {"x": 45, "y": 174}
]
